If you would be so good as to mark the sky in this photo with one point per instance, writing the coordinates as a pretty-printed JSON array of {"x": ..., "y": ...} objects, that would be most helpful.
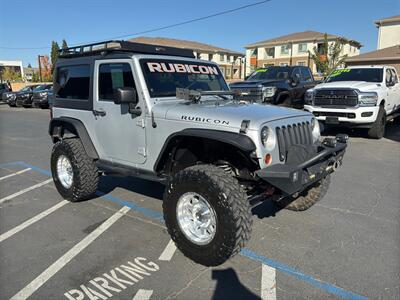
[{"x": 34, "y": 24}]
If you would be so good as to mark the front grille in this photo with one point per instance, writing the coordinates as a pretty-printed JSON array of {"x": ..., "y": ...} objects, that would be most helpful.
[
  {"x": 334, "y": 114},
  {"x": 247, "y": 93},
  {"x": 336, "y": 98},
  {"x": 294, "y": 134}
]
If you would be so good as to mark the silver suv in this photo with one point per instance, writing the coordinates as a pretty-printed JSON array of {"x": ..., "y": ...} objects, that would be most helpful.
[{"x": 160, "y": 114}]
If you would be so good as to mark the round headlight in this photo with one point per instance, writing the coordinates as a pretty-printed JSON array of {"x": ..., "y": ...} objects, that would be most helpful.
[
  {"x": 316, "y": 134},
  {"x": 267, "y": 137}
]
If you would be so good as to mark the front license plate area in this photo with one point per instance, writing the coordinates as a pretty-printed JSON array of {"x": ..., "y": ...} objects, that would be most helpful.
[{"x": 332, "y": 120}]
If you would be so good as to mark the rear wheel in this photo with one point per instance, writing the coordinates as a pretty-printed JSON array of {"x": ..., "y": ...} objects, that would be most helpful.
[
  {"x": 308, "y": 197},
  {"x": 377, "y": 131},
  {"x": 74, "y": 173},
  {"x": 207, "y": 214}
]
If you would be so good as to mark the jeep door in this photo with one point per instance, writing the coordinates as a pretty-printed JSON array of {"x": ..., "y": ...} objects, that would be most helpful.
[{"x": 121, "y": 135}]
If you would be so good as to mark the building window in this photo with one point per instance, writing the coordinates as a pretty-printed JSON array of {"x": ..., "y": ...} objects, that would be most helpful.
[
  {"x": 285, "y": 49},
  {"x": 302, "y": 47},
  {"x": 301, "y": 63},
  {"x": 210, "y": 57},
  {"x": 284, "y": 64},
  {"x": 228, "y": 72},
  {"x": 222, "y": 57}
]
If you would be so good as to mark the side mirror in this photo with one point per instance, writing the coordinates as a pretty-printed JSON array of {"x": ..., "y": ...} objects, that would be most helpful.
[{"x": 125, "y": 95}]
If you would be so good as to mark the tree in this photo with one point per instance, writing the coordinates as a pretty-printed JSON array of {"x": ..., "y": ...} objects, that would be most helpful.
[
  {"x": 29, "y": 66},
  {"x": 328, "y": 57},
  {"x": 54, "y": 54},
  {"x": 64, "y": 44},
  {"x": 9, "y": 74}
]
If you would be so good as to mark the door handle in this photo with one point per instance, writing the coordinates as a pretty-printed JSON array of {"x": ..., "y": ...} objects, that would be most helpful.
[{"x": 99, "y": 112}]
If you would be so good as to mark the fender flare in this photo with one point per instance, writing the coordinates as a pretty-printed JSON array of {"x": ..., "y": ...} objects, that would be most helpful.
[
  {"x": 57, "y": 129},
  {"x": 240, "y": 141},
  {"x": 280, "y": 95}
]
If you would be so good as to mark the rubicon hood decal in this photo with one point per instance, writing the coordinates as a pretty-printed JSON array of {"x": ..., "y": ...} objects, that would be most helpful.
[{"x": 204, "y": 120}]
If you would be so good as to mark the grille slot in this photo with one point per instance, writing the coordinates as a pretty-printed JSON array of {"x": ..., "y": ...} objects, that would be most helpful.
[
  {"x": 336, "y": 98},
  {"x": 294, "y": 134}
]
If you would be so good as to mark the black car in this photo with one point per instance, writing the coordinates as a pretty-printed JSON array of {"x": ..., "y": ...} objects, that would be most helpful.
[
  {"x": 283, "y": 86},
  {"x": 40, "y": 98},
  {"x": 24, "y": 98},
  {"x": 4, "y": 88},
  {"x": 11, "y": 97}
]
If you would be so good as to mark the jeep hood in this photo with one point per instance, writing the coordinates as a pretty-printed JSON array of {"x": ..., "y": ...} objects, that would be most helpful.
[
  {"x": 360, "y": 85},
  {"x": 226, "y": 114}
]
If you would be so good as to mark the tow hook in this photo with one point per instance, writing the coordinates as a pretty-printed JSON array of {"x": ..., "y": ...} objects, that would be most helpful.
[{"x": 333, "y": 166}]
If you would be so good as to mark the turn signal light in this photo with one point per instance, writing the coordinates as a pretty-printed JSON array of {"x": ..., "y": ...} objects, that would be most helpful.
[{"x": 267, "y": 159}]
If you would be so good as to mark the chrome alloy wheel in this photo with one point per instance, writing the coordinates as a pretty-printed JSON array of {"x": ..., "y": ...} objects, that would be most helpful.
[
  {"x": 64, "y": 171},
  {"x": 196, "y": 218}
]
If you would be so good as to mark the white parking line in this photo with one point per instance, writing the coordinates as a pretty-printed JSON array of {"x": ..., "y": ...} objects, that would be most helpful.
[
  {"x": 143, "y": 295},
  {"x": 67, "y": 257},
  {"x": 29, "y": 222},
  {"x": 268, "y": 283},
  {"x": 25, "y": 190},
  {"x": 13, "y": 174},
  {"x": 168, "y": 251}
]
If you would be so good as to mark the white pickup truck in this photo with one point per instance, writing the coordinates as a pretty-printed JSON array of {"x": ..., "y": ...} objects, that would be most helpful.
[{"x": 359, "y": 96}]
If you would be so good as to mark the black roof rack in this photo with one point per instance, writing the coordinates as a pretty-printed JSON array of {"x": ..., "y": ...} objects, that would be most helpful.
[{"x": 122, "y": 46}]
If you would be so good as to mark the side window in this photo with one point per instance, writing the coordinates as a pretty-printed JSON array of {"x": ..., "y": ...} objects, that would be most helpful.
[
  {"x": 73, "y": 82},
  {"x": 388, "y": 76},
  {"x": 394, "y": 76},
  {"x": 306, "y": 74},
  {"x": 296, "y": 71},
  {"x": 113, "y": 76}
]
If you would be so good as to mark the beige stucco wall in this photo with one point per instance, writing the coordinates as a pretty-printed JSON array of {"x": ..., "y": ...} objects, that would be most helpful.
[{"x": 389, "y": 35}]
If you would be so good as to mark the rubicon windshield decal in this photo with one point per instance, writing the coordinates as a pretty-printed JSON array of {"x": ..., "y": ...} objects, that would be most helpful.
[{"x": 157, "y": 67}]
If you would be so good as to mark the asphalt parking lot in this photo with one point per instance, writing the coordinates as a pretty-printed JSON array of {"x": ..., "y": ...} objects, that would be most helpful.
[{"x": 116, "y": 246}]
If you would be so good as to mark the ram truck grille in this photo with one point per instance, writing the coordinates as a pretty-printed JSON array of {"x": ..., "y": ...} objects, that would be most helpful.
[
  {"x": 294, "y": 134},
  {"x": 339, "y": 98}
]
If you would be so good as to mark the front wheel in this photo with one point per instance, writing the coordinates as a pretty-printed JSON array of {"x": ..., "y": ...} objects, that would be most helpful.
[
  {"x": 377, "y": 131},
  {"x": 307, "y": 198},
  {"x": 74, "y": 173},
  {"x": 207, "y": 214}
]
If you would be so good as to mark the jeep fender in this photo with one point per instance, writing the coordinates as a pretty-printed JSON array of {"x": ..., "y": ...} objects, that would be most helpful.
[
  {"x": 64, "y": 126},
  {"x": 240, "y": 141}
]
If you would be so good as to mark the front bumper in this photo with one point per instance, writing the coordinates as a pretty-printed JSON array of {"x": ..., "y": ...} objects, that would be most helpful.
[
  {"x": 294, "y": 178},
  {"x": 40, "y": 101},
  {"x": 24, "y": 101},
  {"x": 356, "y": 115}
]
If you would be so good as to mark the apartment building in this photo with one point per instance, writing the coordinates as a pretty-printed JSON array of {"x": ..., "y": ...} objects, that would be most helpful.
[
  {"x": 388, "y": 32},
  {"x": 293, "y": 49},
  {"x": 229, "y": 61}
]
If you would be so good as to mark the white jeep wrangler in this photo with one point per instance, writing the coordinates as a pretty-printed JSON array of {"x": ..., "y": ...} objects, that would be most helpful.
[{"x": 359, "y": 96}]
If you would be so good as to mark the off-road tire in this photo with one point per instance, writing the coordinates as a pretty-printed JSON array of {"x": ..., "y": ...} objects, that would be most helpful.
[
  {"x": 229, "y": 201},
  {"x": 377, "y": 131},
  {"x": 85, "y": 172},
  {"x": 307, "y": 198}
]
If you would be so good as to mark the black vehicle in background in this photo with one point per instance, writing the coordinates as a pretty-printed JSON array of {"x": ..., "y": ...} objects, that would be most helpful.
[
  {"x": 4, "y": 88},
  {"x": 11, "y": 97},
  {"x": 24, "y": 98},
  {"x": 40, "y": 98},
  {"x": 283, "y": 86}
]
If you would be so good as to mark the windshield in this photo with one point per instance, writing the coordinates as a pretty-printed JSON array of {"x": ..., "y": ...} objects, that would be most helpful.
[
  {"x": 26, "y": 89},
  {"x": 40, "y": 88},
  {"x": 164, "y": 76},
  {"x": 270, "y": 73},
  {"x": 357, "y": 74},
  {"x": 2, "y": 86}
]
